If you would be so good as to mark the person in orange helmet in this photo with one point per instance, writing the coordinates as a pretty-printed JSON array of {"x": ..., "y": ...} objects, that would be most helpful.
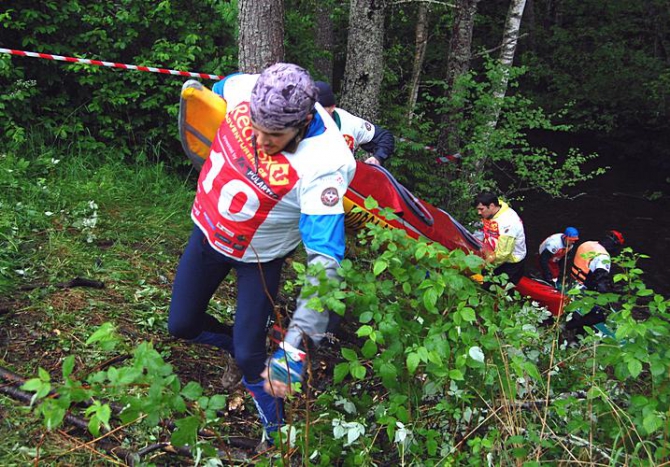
[{"x": 591, "y": 271}]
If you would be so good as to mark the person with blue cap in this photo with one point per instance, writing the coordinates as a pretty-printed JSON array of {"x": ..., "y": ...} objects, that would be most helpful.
[
  {"x": 358, "y": 133},
  {"x": 553, "y": 251},
  {"x": 276, "y": 176}
]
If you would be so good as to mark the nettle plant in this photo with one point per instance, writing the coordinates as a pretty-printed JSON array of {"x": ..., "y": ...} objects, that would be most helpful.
[
  {"x": 434, "y": 352},
  {"x": 444, "y": 372},
  {"x": 143, "y": 392}
]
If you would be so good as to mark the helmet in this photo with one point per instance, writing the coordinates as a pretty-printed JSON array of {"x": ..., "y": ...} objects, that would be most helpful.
[
  {"x": 283, "y": 97},
  {"x": 571, "y": 234},
  {"x": 326, "y": 96},
  {"x": 616, "y": 237}
]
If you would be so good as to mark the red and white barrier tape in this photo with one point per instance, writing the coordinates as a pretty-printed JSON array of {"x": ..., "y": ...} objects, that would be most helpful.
[
  {"x": 86, "y": 61},
  {"x": 438, "y": 159},
  {"x": 124, "y": 66}
]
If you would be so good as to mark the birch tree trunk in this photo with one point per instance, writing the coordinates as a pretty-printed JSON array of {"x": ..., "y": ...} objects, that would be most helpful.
[
  {"x": 460, "y": 53},
  {"x": 509, "y": 42},
  {"x": 324, "y": 40},
  {"x": 420, "y": 44},
  {"x": 364, "y": 70},
  {"x": 261, "y": 36},
  {"x": 508, "y": 48}
]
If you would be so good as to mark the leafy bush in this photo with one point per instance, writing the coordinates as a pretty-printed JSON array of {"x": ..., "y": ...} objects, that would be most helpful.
[
  {"x": 446, "y": 373},
  {"x": 128, "y": 110}
]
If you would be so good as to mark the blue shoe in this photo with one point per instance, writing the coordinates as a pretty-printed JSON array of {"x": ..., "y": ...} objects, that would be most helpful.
[
  {"x": 270, "y": 409},
  {"x": 287, "y": 364}
]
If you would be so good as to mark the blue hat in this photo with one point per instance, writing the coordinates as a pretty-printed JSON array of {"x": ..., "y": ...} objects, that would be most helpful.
[{"x": 571, "y": 233}]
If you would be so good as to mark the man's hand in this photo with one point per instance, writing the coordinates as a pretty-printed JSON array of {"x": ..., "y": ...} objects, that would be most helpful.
[
  {"x": 285, "y": 368},
  {"x": 372, "y": 160},
  {"x": 275, "y": 388}
]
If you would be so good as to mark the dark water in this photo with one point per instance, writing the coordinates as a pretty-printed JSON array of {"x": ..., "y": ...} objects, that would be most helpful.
[{"x": 632, "y": 197}]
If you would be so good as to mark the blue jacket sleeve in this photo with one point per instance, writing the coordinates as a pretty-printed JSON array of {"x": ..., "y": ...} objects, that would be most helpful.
[{"x": 382, "y": 144}]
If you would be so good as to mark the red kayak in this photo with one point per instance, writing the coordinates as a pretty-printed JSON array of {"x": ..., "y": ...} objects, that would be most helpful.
[{"x": 420, "y": 219}]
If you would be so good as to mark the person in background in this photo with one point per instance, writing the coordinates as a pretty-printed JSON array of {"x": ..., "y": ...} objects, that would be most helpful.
[
  {"x": 373, "y": 139},
  {"x": 591, "y": 264},
  {"x": 591, "y": 271},
  {"x": 276, "y": 175},
  {"x": 503, "y": 235},
  {"x": 553, "y": 251}
]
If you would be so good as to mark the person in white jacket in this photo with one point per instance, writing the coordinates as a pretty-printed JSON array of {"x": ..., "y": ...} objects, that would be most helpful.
[
  {"x": 276, "y": 176},
  {"x": 358, "y": 133},
  {"x": 503, "y": 236}
]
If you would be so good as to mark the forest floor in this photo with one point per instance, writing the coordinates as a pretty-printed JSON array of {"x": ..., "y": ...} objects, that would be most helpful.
[{"x": 106, "y": 251}]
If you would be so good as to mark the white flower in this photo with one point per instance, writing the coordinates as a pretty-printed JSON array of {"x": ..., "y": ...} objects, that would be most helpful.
[{"x": 476, "y": 354}]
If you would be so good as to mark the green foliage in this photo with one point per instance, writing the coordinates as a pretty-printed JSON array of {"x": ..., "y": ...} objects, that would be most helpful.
[
  {"x": 496, "y": 152},
  {"x": 146, "y": 389},
  {"x": 437, "y": 371},
  {"x": 456, "y": 375},
  {"x": 589, "y": 51},
  {"x": 129, "y": 110}
]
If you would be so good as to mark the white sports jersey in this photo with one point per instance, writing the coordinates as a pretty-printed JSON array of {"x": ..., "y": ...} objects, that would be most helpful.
[
  {"x": 251, "y": 212},
  {"x": 356, "y": 131},
  {"x": 506, "y": 226},
  {"x": 554, "y": 244}
]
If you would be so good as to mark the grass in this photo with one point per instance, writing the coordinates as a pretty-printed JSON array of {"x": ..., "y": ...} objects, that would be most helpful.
[{"x": 66, "y": 215}]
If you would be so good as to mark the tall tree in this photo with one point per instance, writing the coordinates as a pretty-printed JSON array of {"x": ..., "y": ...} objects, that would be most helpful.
[
  {"x": 364, "y": 69},
  {"x": 460, "y": 53},
  {"x": 420, "y": 44},
  {"x": 507, "y": 51},
  {"x": 324, "y": 40},
  {"x": 261, "y": 37}
]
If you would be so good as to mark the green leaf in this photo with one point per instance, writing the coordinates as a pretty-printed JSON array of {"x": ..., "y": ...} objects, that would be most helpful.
[
  {"x": 43, "y": 374},
  {"x": 366, "y": 317},
  {"x": 369, "y": 349},
  {"x": 349, "y": 355},
  {"x": 217, "y": 402},
  {"x": 186, "y": 432},
  {"x": 388, "y": 370},
  {"x": 68, "y": 366},
  {"x": 340, "y": 372},
  {"x": 379, "y": 267},
  {"x": 413, "y": 361},
  {"x": 192, "y": 391},
  {"x": 364, "y": 331},
  {"x": 358, "y": 371},
  {"x": 634, "y": 367},
  {"x": 104, "y": 332},
  {"x": 33, "y": 384},
  {"x": 456, "y": 375},
  {"x": 371, "y": 203},
  {"x": 468, "y": 314},
  {"x": 652, "y": 422}
]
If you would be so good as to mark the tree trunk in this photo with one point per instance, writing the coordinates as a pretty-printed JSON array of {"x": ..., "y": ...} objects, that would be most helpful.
[
  {"x": 419, "y": 54},
  {"x": 324, "y": 39},
  {"x": 365, "y": 58},
  {"x": 529, "y": 21},
  {"x": 261, "y": 37},
  {"x": 509, "y": 42},
  {"x": 460, "y": 51}
]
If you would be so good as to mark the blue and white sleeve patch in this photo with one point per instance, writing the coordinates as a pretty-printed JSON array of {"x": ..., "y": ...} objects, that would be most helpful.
[{"x": 324, "y": 234}]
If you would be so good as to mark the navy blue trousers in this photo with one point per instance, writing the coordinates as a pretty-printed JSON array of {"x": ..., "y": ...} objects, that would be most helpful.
[{"x": 201, "y": 270}]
